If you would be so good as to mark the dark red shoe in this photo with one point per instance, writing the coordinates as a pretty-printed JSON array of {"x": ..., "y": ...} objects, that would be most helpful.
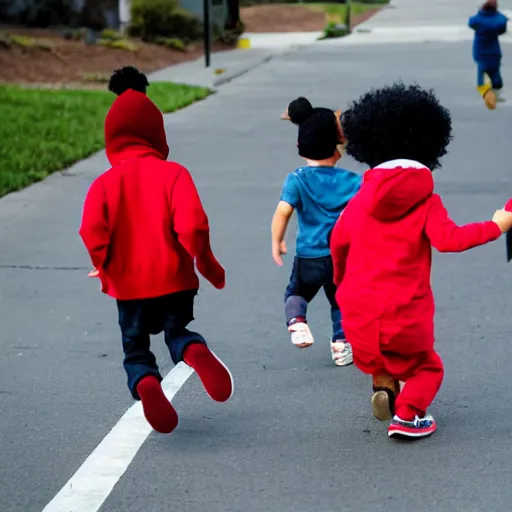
[
  {"x": 213, "y": 373},
  {"x": 157, "y": 409}
]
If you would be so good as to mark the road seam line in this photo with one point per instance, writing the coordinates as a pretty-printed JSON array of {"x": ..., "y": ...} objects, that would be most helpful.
[{"x": 90, "y": 486}]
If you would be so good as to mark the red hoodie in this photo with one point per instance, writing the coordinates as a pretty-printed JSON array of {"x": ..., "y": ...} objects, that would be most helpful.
[
  {"x": 382, "y": 254},
  {"x": 143, "y": 222}
]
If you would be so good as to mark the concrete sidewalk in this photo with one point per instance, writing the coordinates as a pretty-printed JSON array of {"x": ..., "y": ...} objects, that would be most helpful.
[
  {"x": 419, "y": 21},
  {"x": 231, "y": 64}
]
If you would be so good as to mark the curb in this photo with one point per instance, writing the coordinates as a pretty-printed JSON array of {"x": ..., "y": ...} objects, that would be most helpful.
[{"x": 228, "y": 76}]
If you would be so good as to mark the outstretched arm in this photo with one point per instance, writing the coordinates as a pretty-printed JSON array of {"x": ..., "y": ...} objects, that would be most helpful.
[
  {"x": 191, "y": 226},
  {"x": 280, "y": 222},
  {"x": 94, "y": 229},
  {"x": 446, "y": 236}
]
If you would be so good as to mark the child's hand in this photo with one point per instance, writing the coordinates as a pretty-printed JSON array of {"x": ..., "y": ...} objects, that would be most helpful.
[
  {"x": 94, "y": 273},
  {"x": 213, "y": 271},
  {"x": 503, "y": 219},
  {"x": 278, "y": 249}
]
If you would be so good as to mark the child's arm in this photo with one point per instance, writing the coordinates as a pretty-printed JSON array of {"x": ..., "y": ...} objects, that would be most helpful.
[
  {"x": 191, "y": 226},
  {"x": 446, "y": 236},
  {"x": 502, "y": 28},
  {"x": 473, "y": 22},
  {"x": 340, "y": 243},
  {"x": 94, "y": 229},
  {"x": 280, "y": 222}
]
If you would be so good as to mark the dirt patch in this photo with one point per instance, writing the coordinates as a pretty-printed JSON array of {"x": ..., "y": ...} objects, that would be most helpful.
[
  {"x": 281, "y": 18},
  {"x": 287, "y": 18},
  {"x": 71, "y": 61}
]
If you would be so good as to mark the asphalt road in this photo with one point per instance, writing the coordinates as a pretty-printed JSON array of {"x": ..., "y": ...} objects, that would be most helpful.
[{"x": 298, "y": 435}]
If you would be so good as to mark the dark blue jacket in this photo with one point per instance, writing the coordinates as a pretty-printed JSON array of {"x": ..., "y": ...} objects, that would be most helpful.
[{"x": 487, "y": 26}]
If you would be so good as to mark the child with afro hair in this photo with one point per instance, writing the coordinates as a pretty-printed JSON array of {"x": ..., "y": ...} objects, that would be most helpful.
[
  {"x": 146, "y": 232},
  {"x": 318, "y": 192},
  {"x": 382, "y": 245}
]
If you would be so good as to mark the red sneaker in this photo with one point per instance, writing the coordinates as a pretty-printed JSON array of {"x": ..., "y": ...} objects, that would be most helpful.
[
  {"x": 157, "y": 409},
  {"x": 213, "y": 373}
]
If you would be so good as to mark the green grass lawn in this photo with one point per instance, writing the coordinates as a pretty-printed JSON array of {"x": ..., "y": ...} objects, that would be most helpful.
[{"x": 42, "y": 131}]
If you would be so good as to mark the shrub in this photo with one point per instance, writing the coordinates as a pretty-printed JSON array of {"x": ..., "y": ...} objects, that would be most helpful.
[
  {"x": 333, "y": 30},
  {"x": 118, "y": 44},
  {"x": 31, "y": 42},
  {"x": 111, "y": 34},
  {"x": 92, "y": 16},
  {"x": 172, "y": 42},
  {"x": 46, "y": 13},
  {"x": 163, "y": 18},
  {"x": 231, "y": 35}
]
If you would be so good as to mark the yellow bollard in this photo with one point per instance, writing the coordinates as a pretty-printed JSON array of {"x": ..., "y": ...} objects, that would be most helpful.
[{"x": 244, "y": 43}]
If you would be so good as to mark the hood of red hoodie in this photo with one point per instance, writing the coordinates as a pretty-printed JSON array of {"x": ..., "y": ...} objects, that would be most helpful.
[
  {"x": 395, "y": 188},
  {"x": 134, "y": 127}
]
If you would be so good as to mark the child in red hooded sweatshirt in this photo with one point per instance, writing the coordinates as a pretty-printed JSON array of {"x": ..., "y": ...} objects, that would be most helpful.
[
  {"x": 382, "y": 250},
  {"x": 144, "y": 227}
]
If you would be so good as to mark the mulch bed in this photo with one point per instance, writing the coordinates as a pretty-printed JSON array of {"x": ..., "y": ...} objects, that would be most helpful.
[
  {"x": 284, "y": 18},
  {"x": 71, "y": 61}
]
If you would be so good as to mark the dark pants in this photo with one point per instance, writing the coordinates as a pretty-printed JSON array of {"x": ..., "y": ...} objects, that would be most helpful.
[
  {"x": 139, "y": 319},
  {"x": 491, "y": 68},
  {"x": 308, "y": 276}
]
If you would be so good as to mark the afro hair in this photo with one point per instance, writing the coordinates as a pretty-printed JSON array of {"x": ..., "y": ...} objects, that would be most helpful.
[
  {"x": 397, "y": 121},
  {"x": 127, "y": 78}
]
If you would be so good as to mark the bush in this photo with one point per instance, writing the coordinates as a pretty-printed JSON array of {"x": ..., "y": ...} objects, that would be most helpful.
[
  {"x": 46, "y": 13},
  {"x": 111, "y": 34},
  {"x": 163, "y": 18},
  {"x": 231, "y": 35},
  {"x": 172, "y": 42},
  {"x": 250, "y": 3},
  {"x": 92, "y": 16},
  {"x": 118, "y": 44},
  {"x": 333, "y": 30}
]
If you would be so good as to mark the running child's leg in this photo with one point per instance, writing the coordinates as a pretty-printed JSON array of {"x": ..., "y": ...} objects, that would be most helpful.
[
  {"x": 190, "y": 347},
  {"x": 421, "y": 387},
  {"x": 385, "y": 392},
  {"x": 141, "y": 368},
  {"x": 341, "y": 350},
  {"x": 496, "y": 81},
  {"x": 484, "y": 86},
  {"x": 296, "y": 298}
]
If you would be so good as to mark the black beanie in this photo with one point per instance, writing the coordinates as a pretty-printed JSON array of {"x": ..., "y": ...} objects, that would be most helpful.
[{"x": 318, "y": 130}]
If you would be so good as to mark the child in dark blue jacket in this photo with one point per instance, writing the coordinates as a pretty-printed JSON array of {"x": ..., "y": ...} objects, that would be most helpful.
[{"x": 488, "y": 25}]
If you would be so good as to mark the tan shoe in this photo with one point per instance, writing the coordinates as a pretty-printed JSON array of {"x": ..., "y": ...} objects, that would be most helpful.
[
  {"x": 488, "y": 95},
  {"x": 385, "y": 391}
]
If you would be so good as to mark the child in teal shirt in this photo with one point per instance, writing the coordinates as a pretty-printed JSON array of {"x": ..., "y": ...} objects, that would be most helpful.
[{"x": 318, "y": 192}]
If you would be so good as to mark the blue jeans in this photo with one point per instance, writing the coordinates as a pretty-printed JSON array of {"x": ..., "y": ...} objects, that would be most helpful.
[
  {"x": 492, "y": 70},
  {"x": 308, "y": 276},
  {"x": 141, "y": 318}
]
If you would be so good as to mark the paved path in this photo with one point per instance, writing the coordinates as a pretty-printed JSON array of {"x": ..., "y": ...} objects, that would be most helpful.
[{"x": 297, "y": 435}]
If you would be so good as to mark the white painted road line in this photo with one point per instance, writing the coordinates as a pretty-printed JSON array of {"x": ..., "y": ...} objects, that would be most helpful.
[{"x": 91, "y": 485}]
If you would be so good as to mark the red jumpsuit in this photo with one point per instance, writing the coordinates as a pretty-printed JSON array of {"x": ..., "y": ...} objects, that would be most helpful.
[{"x": 382, "y": 253}]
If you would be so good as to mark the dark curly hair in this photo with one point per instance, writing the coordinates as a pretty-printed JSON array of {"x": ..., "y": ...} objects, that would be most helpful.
[
  {"x": 126, "y": 78},
  {"x": 397, "y": 121}
]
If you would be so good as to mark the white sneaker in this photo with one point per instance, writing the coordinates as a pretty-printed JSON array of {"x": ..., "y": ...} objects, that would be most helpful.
[
  {"x": 301, "y": 334},
  {"x": 341, "y": 353}
]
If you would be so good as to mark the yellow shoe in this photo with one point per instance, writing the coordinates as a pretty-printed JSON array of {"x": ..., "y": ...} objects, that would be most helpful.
[{"x": 488, "y": 95}]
